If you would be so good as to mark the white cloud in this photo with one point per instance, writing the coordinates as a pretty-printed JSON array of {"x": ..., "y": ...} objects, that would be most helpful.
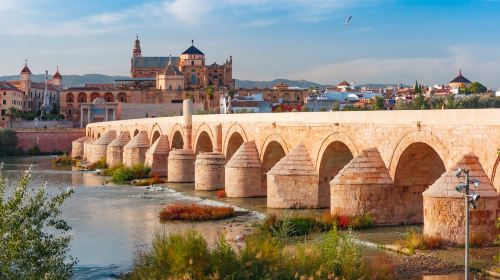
[
  {"x": 261, "y": 22},
  {"x": 477, "y": 63},
  {"x": 190, "y": 12}
]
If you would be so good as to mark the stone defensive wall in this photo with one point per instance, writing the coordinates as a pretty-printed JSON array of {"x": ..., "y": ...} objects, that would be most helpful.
[
  {"x": 48, "y": 140},
  {"x": 393, "y": 165}
]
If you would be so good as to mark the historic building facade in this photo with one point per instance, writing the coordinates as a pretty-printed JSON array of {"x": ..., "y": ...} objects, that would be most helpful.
[{"x": 190, "y": 65}]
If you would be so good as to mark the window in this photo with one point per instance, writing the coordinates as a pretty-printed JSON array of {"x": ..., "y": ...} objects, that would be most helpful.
[
  {"x": 193, "y": 79},
  {"x": 170, "y": 87},
  {"x": 4, "y": 102},
  {"x": 192, "y": 62},
  {"x": 69, "y": 112}
]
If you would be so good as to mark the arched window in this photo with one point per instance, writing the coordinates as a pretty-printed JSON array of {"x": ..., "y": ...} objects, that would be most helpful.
[
  {"x": 193, "y": 79},
  {"x": 69, "y": 97},
  {"x": 108, "y": 97},
  {"x": 82, "y": 97},
  {"x": 93, "y": 96},
  {"x": 122, "y": 97}
]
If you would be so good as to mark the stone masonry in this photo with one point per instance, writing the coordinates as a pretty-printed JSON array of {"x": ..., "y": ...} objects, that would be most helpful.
[
  {"x": 135, "y": 151},
  {"x": 156, "y": 156}
]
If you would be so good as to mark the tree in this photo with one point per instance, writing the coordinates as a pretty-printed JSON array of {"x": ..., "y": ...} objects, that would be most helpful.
[
  {"x": 209, "y": 91},
  {"x": 379, "y": 103},
  {"x": 33, "y": 245},
  {"x": 476, "y": 88},
  {"x": 8, "y": 142}
]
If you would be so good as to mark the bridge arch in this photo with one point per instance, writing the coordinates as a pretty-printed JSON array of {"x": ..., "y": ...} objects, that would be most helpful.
[
  {"x": 155, "y": 133},
  {"x": 177, "y": 137},
  {"x": 273, "y": 149},
  {"x": 418, "y": 135},
  {"x": 204, "y": 140},
  {"x": 234, "y": 137},
  {"x": 336, "y": 151}
]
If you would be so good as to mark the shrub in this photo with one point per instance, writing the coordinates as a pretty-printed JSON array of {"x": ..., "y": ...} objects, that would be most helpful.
[
  {"x": 362, "y": 221},
  {"x": 418, "y": 241},
  {"x": 193, "y": 212},
  {"x": 34, "y": 244},
  {"x": 35, "y": 150},
  {"x": 122, "y": 173},
  {"x": 8, "y": 142},
  {"x": 221, "y": 193},
  {"x": 100, "y": 164},
  {"x": 111, "y": 170},
  {"x": 149, "y": 182},
  {"x": 64, "y": 160}
]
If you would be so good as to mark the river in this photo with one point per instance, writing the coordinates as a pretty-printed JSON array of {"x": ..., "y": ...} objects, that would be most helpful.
[{"x": 111, "y": 223}]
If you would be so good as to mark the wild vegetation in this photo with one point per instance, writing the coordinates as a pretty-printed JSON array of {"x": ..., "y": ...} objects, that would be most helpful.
[
  {"x": 100, "y": 164},
  {"x": 221, "y": 193},
  {"x": 264, "y": 256},
  {"x": 122, "y": 174},
  {"x": 195, "y": 212},
  {"x": 155, "y": 180},
  {"x": 64, "y": 160},
  {"x": 34, "y": 240},
  {"x": 415, "y": 240}
]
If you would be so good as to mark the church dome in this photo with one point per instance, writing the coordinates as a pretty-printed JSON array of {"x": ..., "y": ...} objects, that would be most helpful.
[{"x": 193, "y": 50}]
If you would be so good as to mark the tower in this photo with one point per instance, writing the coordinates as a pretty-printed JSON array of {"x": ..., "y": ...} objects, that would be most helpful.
[
  {"x": 57, "y": 78},
  {"x": 192, "y": 64},
  {"x": 26, "y": 78},
  {"x": 137, "y": 47}
]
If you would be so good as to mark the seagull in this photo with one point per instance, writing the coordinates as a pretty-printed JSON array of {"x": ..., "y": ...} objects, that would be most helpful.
[{"x": 348, "y": 21}]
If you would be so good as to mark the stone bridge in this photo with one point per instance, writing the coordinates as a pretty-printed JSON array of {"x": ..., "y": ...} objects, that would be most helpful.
[{"x": 394, "y": 165}]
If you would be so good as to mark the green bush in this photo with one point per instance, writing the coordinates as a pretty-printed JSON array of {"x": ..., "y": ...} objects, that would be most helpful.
[
  {"x": 34, "y": 244},
  {"x": 122, "y": 173},
  {"x": 8, "y": 141},
  {"x": 362, "y": 221}
]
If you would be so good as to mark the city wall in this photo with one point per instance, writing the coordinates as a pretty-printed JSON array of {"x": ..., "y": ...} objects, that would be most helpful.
[{"x": 48, "y": 140}]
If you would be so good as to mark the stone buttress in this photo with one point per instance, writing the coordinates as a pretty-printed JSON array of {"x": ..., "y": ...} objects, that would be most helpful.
[
  {"x": 209, "y": 171},
  {"x": 293, "y": 182},
  {"x": 135, "y": 151},
  {"x": 444, "y": 207},
  {"x": 181, "y": 166},
  {"x": 157, "y": 155},
  {"x": 364, "y": 186},
  {"x": 77, "y": 148},
  {"x": 243, "y": 173},
  {"x": 99, "y": 147},
  {"x": 114, "y": 154}
]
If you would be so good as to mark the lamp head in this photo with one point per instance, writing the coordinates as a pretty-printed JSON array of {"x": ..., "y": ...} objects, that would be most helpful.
[
  {"x": 474, "y": 197},
  {"x": 458, "y": 173},
  {"x": 460, "y": 187},
  {"x": 476, "y": 182}
]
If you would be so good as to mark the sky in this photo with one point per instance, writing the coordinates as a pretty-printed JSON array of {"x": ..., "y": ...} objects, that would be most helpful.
[{"x": 388, "y": 41}]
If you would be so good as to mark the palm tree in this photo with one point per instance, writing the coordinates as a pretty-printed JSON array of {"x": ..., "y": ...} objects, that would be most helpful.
[{"x": 209, "y": 92}]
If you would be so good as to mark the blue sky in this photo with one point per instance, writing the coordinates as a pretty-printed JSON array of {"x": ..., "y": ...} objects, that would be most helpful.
[{"x": 388, "y": 41}]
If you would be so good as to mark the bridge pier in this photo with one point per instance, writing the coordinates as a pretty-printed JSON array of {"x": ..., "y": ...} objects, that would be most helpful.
[
  {"x": 181, "y": 166},
  {"x": 156, "y": 156},
  {"x": 114, "y": 153},
  {"x": 243, "y": 173},
  {"x": 209, "y": 172},
  {"x": 77, "y": 148},
  {"x": 364, "y": 186},
  {"x": 135, "y": 151},
  {"x": 98, "y": 148},
  {"x": 293, "y": 182},
  {"x": 444, "y": 209}
]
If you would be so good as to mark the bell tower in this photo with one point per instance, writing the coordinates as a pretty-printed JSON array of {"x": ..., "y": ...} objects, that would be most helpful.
[{"x": 137, "y": 47}]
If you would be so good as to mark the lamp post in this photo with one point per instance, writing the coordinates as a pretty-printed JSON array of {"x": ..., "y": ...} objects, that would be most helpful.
[{"x": 470, "y": 199}]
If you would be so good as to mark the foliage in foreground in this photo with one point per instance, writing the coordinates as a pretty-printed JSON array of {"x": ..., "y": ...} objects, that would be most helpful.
[
  {"x": 418, "y": 241},
  {"x": 195, "y": 212},
  {"x": 301, "y": 226},
  {"x": 33, "y": 244},
  {"x": 187, "y": 256}
]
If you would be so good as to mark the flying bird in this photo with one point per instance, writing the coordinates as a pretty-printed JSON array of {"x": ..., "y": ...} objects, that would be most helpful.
[{"x": 348, "y": 21}]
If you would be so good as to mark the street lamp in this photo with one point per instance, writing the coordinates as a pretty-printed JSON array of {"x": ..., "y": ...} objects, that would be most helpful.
[{"x": 470, "y": 199}]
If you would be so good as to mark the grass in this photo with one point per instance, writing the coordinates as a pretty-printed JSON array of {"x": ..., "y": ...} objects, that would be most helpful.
[
  {"x": 194, "y": 212},
  {"x": 264, "y": 256},
  {"x": 121, "y": 173},
  {"x": 300, "y": 226},
  {"x": 64, "y": 160},
  {"x": 100, "y": 164},
  {"x": 418, "y": 241}
]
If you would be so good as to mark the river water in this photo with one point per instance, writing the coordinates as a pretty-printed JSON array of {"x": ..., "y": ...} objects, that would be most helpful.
[{"x": 112, "y": 223}]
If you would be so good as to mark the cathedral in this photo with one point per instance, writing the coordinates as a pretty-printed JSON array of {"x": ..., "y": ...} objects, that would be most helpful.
[{"x": 184, "y": 72}]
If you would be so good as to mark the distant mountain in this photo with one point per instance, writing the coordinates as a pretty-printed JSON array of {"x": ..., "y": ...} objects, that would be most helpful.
[
  {"x": 270, "y": 84},
  {"x": 73, "y": 80}
]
